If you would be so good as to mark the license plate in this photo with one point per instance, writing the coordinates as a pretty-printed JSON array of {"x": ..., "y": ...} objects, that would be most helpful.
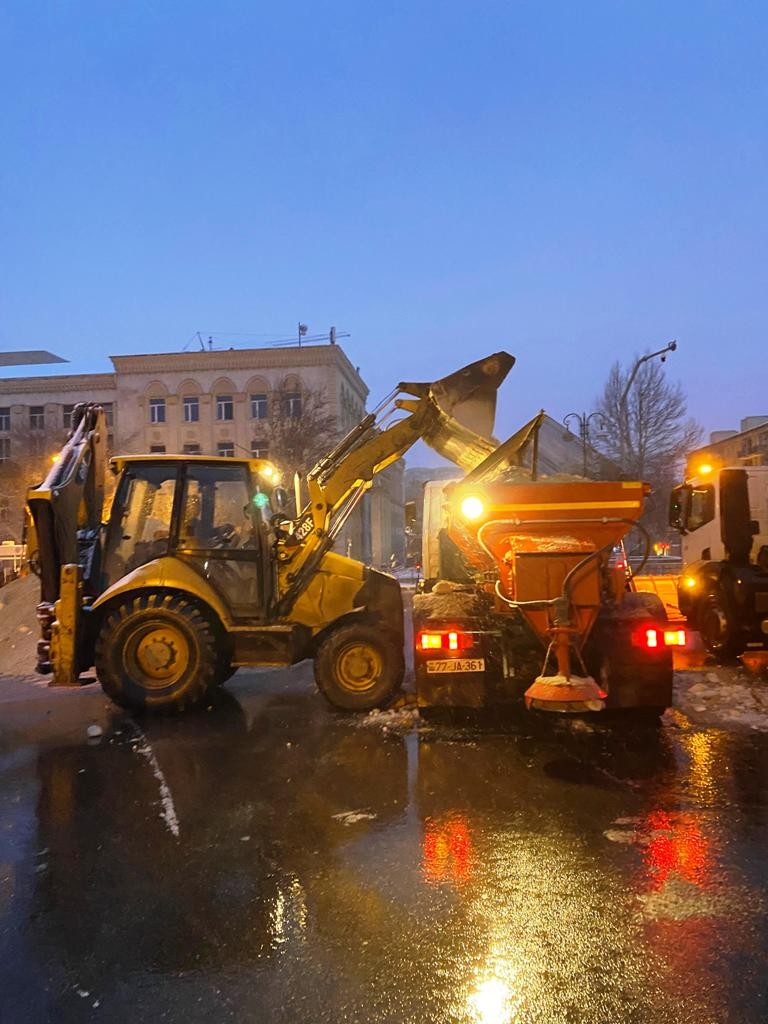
[{"x": 456, "y": 665}]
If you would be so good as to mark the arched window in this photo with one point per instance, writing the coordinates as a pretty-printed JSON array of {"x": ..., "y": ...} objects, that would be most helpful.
[
  {"x": 189, "y": 392},
  {"x": 258, "y": 398},
  {"x": 224, "y": 394},
  {"x": 291, "y": 399},
  {"x": 156, "y": 393}
]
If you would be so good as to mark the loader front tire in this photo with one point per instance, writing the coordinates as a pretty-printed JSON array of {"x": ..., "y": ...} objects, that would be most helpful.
[
  {"x": 359, "y": 667},
  {"x": 156, "y": 652}
]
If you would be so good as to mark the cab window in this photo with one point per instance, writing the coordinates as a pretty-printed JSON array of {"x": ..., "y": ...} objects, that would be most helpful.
[
  {"x": 140, "y": 522},
  {"x": 216, "y": 510}
]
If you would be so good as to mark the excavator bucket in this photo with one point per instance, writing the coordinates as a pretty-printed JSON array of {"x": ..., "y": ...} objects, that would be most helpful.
[{"x": 463, "y": 407}]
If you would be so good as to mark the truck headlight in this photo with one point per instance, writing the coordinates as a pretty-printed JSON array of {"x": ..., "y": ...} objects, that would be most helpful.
[{"x": 472, "y": 507}]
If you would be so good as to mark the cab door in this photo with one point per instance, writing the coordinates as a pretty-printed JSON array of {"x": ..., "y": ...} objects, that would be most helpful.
[{"x": 223, "y": 533}]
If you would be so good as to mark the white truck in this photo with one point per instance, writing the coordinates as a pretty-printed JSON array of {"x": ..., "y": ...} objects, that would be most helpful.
[{"x": 722, "y": 515}]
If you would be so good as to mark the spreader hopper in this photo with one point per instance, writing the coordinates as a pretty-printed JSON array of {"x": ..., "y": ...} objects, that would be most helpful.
[{"x": 550, "y": 543}]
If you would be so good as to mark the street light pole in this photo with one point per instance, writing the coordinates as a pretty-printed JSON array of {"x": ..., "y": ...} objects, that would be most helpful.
[
  {"x": 623, "y": 414},
  {"x": 584, "y": 421}
]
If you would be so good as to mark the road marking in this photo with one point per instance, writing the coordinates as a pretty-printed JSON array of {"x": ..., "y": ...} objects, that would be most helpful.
[{"x": 168, "y": 812}]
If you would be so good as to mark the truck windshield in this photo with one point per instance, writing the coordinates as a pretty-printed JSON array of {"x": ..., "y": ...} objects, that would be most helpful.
[{"x": 701, "y": 507}]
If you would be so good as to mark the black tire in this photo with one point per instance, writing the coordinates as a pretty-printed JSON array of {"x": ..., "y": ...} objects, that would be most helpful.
[
  {"x": 156, "y": 652},
  {"x": 359, "y": 667},
  {"x": 718, "y": 634},
  {"x": 224, "y": 673},
  {"x": 638, "y": 687}
]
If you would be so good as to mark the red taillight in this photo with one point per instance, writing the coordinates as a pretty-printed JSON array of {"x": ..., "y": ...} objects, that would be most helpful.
[
  {"x": 449, "y": 640},
  {"x": 652, "y": 639}
]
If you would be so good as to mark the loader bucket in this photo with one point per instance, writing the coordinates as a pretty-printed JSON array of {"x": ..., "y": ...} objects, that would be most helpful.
[{"x": 463, "y": 409}]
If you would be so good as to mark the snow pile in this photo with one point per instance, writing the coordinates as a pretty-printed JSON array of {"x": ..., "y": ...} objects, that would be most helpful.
[
  {"x": 725, "y": 696},
  {"x": 19, "y": 631},
  {"x": 398, "y": 719}
]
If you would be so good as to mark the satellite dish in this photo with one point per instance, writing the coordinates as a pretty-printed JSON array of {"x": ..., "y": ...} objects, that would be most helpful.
[{"x": 33, "y": 357}]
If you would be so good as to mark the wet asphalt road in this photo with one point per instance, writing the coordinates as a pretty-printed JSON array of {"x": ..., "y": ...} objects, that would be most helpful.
[{"x": 271, "y": 861}]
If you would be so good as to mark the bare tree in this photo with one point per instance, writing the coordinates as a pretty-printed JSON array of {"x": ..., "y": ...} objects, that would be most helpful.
[
  {"x": 30, "y": 459},
  {"x": 299, "y": 428},
  {"x": 647, "y": 432}
]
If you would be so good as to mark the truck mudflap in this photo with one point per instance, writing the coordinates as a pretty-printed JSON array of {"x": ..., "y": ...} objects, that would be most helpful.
[{"x": 630, "y": 653}]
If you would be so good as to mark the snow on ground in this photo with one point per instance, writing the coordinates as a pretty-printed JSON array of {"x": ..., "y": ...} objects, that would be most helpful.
[
  {"x": 19, "y": 631},
  {"x": 723, "y": 695}
]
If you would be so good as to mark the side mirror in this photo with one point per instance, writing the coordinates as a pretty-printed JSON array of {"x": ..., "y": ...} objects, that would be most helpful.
[
  {"x": 280, "y": 498},
  {"x": 678, "y": 508}
]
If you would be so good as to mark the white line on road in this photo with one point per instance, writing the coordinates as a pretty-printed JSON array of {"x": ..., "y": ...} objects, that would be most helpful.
[{"x": 168, "y": 812}]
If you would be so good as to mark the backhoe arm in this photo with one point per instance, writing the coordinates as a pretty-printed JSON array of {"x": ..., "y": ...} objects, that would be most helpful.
[{"x": 65, "y": 513}]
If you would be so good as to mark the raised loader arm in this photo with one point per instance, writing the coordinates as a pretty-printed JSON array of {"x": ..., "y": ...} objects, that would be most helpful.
[{"x": 453, "y": 415}]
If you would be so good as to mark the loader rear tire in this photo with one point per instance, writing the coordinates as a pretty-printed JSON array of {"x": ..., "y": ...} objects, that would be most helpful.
[
  {"x": 156, "y": 652},
  {"x": 359, "y": 667}
]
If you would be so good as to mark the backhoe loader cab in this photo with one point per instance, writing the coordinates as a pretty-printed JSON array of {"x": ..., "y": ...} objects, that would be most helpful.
[{"x": 198, "y": 571}]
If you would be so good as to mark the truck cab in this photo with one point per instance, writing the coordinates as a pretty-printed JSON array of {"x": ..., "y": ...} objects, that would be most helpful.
[{"x": 722, "y": 516}]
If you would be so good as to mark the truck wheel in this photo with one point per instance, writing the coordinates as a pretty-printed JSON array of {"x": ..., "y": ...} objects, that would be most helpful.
[
  {"x": 717, "y": 632},
  {"x": 359, "y": 667},
  {"x": 156, "y": 652},
  {"x": 639, "y": 686}
]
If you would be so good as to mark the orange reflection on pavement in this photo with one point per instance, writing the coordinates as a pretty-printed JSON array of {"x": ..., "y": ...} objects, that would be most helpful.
[{"x": 447, "y": 851}]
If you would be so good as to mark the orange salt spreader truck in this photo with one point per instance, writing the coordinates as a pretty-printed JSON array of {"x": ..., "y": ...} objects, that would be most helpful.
[{"x": 520, "y": 599}]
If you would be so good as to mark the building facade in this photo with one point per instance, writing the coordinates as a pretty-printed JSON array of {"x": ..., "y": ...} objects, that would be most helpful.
[
  {"x": 747, "y": 446},
  {"x": 235, "y": 402}
]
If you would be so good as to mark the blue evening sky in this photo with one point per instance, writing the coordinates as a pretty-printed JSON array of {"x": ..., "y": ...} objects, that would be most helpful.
[{"x": 574, "y": 182}]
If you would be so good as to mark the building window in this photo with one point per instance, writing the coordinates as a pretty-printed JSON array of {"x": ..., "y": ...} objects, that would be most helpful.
[
  {"x": 157, "y": 449},
  {"x": 225, "y": 407},
  {"x": 191, "y": 409},
  {"x": 37, "y": 417},
  {"x": 5, "y": 418},
  {"x": 109, "y": 412},
  {"x": 5, "y": 449},
  {"x": 66, "y": 416},
  {"x": 292, "y": 404},
  {"x": 191, "y": 449},
  {"x": 259, "y": 407},
  {"x": 259, "y": 449},
  {"x": 226, "y": 448},
  {"x": 5, "y": 510},
  {"x": 157, "y": 410}
]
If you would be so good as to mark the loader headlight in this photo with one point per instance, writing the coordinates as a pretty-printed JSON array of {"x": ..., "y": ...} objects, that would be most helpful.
[
  {"x": 689, "y": 582},
  {"x": 472, "y": 507}
]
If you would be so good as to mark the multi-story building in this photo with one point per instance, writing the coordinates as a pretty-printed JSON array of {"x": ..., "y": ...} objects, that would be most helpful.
[
  {"x": 212, "y": 402},
  {"x": 747, "y": 446}
]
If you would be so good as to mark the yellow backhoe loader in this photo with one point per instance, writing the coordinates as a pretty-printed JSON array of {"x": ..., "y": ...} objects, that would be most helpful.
[{"x": 198, "y": 570}]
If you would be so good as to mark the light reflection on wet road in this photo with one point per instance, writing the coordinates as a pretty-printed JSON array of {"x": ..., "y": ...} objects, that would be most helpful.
[{"x": 327, "y": 870}]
